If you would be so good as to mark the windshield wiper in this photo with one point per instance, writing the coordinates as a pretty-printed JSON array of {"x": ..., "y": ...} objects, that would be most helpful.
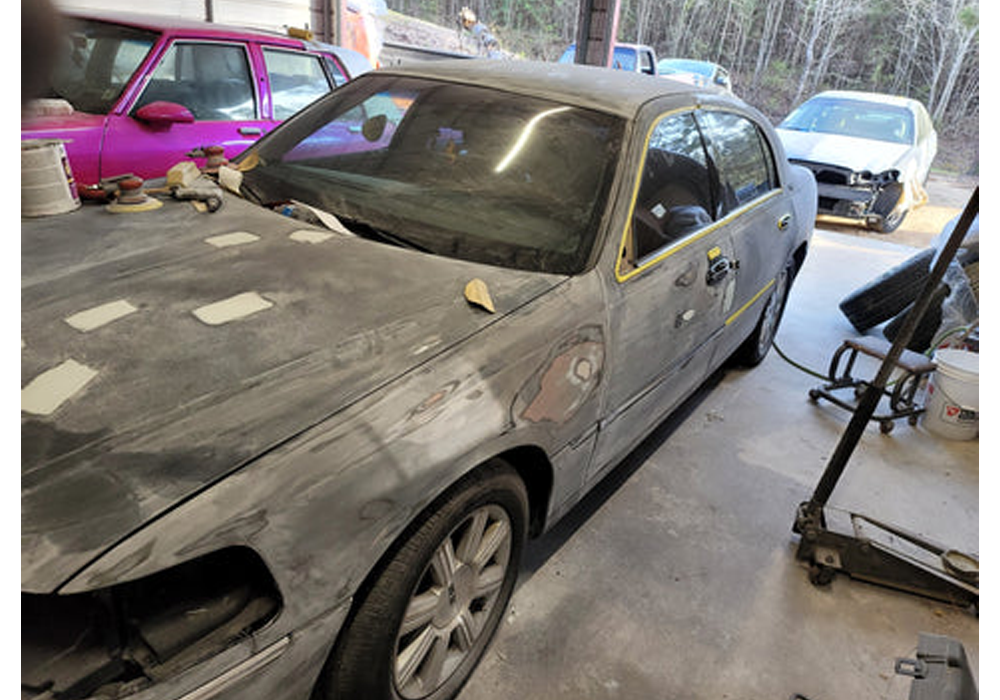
[
  {"x": 319, "y": 217},
  {"x": 251, "y": 193},
  {"x": 366, "y": 230}
]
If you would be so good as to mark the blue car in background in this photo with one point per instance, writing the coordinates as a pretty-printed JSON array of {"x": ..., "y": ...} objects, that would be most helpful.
[{"x": 634, "y": 58}]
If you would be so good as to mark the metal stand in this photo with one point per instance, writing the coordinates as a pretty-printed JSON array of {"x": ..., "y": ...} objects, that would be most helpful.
[
  {"x": 833, "y": 540},
  {"x": 914, "y": 369}
]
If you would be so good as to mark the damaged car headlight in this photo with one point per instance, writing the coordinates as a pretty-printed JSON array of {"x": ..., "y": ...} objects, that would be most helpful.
[
  {"x": 117, "y": 640},
  {"x": 859, "y": 178},
  {"x": 867, "y": 178}
]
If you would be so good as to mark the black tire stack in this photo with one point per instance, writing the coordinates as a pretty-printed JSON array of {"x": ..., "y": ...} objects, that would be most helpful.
[{"x": 890, "y": 297}]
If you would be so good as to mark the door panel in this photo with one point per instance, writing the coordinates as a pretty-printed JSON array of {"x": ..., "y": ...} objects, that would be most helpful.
[
  {"x": 663, "y": 324},
  {"x": 215, "y": 83},
  {"x": 149, "y": 151},
  {"x": 758, "y": 214},
  {"x": 668, "y": 301}
]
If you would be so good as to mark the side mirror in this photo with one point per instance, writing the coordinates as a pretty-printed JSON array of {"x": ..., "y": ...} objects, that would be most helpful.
[
  {"x": 164, "y": 114},
  {"x": 374, "y": 127}
]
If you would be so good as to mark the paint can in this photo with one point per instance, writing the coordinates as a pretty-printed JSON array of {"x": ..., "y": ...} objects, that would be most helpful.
[
  {"x": 47, "y": 184},
  {"x": 952, "y": 406}
]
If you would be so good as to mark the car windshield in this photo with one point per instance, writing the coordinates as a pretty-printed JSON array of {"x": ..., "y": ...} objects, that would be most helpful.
[
  {"x": 848, "y": 117},
  {"x": 455, "y": 170},
  {"x": 96, "y": 62},
  {"x": 684, "y": 66}
]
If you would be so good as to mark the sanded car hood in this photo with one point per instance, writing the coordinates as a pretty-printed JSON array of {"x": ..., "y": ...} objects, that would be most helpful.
[
  {"x": 177, "y": 403},
  {"x": 844, "y": 151}
]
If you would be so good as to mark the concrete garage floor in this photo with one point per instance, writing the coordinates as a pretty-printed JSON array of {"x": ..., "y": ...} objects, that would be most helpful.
[{"x": 678, "y": 577}]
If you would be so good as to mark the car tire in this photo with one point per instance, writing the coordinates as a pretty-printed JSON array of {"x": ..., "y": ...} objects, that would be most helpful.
[
  {"x": 890, "y": 213},
  {"x": 889, "y": 293},
  {"x": 928, "y": 326},
  {"x": 421, "y": 626},
  {"x": 754, "y": 349}
]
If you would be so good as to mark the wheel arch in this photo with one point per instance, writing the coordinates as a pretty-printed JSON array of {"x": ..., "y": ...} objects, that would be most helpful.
[
  {"x": 529, "y": 461},
  {"x": 799, "y": 258},
  {"x": 535, "y": 470}
]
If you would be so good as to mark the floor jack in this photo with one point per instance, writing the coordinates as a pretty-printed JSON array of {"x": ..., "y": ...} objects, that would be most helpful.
[{"x": 833, "y": 540}]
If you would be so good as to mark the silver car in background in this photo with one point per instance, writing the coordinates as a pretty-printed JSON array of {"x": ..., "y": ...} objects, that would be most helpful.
[
  {"x": 700, "y": 73},
  {"x": 870, "y": 153}
]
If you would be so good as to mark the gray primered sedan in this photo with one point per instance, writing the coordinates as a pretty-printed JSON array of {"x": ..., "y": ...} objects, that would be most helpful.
[{"x": 297, "y": 445}]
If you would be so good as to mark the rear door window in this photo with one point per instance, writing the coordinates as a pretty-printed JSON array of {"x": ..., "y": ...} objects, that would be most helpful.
[
  {"x": 297, "y": 79},
  {"x": 744, "y": 161}
]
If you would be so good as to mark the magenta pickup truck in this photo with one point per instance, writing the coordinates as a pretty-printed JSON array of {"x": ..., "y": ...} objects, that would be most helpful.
[{"x": 136, "y": 94}]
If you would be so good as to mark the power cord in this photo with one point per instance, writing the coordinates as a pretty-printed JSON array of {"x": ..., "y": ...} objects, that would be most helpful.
[
  {"x": 796, "y": 365},
  {"x": 964, "y": 331}
]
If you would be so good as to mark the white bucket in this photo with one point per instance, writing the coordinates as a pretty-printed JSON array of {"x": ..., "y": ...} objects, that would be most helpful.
[
  {"x": 47, "y": 184},
  {"x": 952, "y": 407}
]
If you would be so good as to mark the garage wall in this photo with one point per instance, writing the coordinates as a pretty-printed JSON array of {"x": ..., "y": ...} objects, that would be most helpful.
[{"x": 274, "y": 15}]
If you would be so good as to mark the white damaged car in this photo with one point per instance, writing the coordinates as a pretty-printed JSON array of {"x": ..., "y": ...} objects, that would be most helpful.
[{"x": 870, "y": 153}]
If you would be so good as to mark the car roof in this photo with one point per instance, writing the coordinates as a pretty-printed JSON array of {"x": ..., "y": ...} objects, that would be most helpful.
[
  {"x": 622, "y": 44},
  {"x": 355, "y": 62},
  {"x": 877, "y": 97},
  {"x": 613, "y": 91},
  {"x": 176, "y": 25}
]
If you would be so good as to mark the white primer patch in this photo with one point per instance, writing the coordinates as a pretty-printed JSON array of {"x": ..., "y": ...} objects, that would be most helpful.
[
  {"x": 100, "y": 315},
  {"x": 310, "y": 236},
  {"x": 50, "y": 389},
  {"x": 227, "y": 240},
  {"x": 231, "y": 309}
]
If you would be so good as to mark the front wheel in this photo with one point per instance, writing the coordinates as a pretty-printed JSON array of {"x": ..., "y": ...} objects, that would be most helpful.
[{"x": 424, "y": 623}]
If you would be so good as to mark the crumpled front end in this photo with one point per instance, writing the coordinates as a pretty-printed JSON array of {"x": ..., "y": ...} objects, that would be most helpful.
[
  {"x": 863, "y": 194},
  {"x": 116, "y": 641}
]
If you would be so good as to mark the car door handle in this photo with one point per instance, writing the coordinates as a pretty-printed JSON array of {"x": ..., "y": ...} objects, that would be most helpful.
[
  {"x": 250, "y": 130},
  {"x": 784, "y": 222},
  {"x": 717, "y": 270}
]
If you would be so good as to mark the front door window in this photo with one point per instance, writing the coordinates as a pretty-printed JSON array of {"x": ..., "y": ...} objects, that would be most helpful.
[
  {"x": 212, "y": 80},
  {"x": 675, "y": 196}
]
